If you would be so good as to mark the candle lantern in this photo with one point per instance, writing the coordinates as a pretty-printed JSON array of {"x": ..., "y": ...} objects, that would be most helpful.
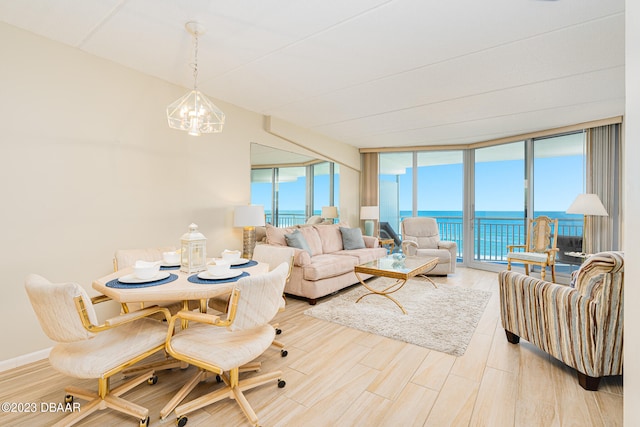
[{"x": 193, "y": 254}]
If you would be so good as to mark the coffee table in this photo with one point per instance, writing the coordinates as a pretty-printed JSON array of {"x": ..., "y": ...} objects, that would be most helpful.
[{"x": 394, "y": 267}]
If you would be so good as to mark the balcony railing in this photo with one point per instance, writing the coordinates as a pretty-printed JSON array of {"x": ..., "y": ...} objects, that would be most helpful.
[{"x": 493, "y": 234}]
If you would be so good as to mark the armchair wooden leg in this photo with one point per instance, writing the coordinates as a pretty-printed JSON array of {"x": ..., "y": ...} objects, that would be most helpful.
[
  {"x": 511, "y": 337},
  {"x": 587, "y": 382}
]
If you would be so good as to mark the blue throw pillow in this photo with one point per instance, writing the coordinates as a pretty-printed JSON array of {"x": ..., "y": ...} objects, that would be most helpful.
[
  {"x": 352, "y": 238},
  {"x": 297, "y": 240}
]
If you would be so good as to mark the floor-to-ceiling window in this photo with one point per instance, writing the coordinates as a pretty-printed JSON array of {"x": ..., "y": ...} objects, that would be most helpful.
[
  {"x": 396, "y": 188},
  {"x": 499, "y": 215},
  {"x": 506, "y": 184},
  {"x": 440, "y": 192},
  {"x": 558, "y": 177}
]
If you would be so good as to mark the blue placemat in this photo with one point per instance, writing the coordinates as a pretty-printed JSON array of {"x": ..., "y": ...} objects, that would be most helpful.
[
  {"x": 173, "y": 267},
  {"x": 251, "y": 263},
  {"x": 195, "y": 279},
  {"x": 119, "y": 285}
]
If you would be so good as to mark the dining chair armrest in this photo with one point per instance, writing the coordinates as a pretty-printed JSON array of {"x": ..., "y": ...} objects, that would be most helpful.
[
  {"x": 116, "y": 321},
  {"x": 195, "y": 316},
  {"x": 511, "y": 247},
  {"x": 99, "y": 298},
  {"x": 138, "y": 314}
]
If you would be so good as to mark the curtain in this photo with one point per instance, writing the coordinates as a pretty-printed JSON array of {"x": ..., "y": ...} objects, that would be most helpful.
[
  {"x": 603, "y": 178},
  {"x": 369, "y": 176}
]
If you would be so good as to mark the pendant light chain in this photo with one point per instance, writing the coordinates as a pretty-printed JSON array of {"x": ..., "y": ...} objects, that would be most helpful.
[{"x": 195, "y": 64}]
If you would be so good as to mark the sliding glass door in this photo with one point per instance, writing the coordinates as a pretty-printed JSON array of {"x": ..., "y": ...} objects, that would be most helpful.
[{"x": 499, "y": 214}]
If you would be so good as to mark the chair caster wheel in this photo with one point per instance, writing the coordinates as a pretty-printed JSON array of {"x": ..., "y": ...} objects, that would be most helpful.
[
  {"x": 182, "y": 421},
  {"x": 68, "y": 399},
  {"x": 153, "y": 380},
  {"x": 281, "y": 383},
  {"x": 284, "y": 353},
  {"x": 278, "y": 331}
]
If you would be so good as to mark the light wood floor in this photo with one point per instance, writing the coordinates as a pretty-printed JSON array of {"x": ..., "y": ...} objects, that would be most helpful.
[{"x": 337, "y": 376}]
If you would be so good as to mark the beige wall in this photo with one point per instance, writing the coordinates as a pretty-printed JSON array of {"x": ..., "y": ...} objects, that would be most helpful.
[{"x": 89, "y": 166}]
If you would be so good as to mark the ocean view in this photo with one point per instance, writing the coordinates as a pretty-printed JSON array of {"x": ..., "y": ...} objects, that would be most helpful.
[{"x": 493, "y": 230}]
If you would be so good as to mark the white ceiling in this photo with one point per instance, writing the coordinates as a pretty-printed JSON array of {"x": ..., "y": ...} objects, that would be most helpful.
[{"x": 370, "y": 73}]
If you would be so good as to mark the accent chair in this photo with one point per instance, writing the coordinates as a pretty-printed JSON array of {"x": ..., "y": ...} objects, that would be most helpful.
[
  {"x": 421, "y": 237},
  {"x": 540, "y": 247},
  {"x": 580, "y": 325}
]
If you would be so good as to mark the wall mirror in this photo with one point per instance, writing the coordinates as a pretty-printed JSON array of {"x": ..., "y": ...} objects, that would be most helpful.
[{"x": 292, "y": 186}]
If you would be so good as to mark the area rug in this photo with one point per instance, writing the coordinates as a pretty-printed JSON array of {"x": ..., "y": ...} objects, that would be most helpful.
[{"x": 441, "y": 319}]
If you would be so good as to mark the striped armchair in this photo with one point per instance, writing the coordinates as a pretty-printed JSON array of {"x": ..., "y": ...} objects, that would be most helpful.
[{"x": 580, "y": 326}]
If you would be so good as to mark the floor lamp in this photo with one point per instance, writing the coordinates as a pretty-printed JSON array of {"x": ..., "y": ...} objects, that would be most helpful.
[
  {"x": 587, "y": 205},
  {"x": 369, "y": 214},
  {"x": 248, "y": 217}
]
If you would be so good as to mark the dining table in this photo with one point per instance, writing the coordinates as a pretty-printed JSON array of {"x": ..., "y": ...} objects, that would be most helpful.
[{"x": 176, "y": 286}]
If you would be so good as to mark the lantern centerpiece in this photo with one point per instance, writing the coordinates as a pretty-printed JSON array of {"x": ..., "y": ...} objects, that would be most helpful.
[{"x": 193, "y": 253}]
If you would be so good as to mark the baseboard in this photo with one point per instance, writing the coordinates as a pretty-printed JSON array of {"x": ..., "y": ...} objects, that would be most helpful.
[{"x": 25, "y": 359}]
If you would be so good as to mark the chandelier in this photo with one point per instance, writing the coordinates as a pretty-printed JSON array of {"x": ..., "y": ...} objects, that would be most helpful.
[{"x": 194, "y": 112}]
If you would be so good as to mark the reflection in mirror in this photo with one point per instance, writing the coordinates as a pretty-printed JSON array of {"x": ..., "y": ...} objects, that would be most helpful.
[{"x": 291, "y": 186}]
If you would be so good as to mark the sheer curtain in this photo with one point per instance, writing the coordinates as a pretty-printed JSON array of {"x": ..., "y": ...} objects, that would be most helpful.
[{"x": 603, "y": 178}]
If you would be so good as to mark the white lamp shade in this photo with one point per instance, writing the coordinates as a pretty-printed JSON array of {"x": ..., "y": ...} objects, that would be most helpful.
[
  {"x": 587, "y": 204},
  {"x": 369, "y": 212},
  {"x": 248, "y": 216},
  {"x": 329, "y": 212}
]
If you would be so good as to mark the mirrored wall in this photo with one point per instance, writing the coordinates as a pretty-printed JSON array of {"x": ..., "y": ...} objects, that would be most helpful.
[{"x": 291, "y": 186}]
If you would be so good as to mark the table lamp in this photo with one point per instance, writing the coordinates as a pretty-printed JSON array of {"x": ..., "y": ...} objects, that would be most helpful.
[
  {"x": 369, "y": 214},
  {"x": 248, "y": 217},
  {"x": 330, "y": 212},
  {"x": 587, "y": 205}
]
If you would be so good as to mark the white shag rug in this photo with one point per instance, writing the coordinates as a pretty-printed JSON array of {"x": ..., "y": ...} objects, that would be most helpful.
[{"x": 441, "y": 319}]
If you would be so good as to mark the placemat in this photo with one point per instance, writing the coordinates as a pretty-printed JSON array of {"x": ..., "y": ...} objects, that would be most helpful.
[
  {"x": 173, "y": 267},
  {"x": 251, "y": 263},
  {"x": 118, "y": 285},
  {"x": 195, "y": 279}
]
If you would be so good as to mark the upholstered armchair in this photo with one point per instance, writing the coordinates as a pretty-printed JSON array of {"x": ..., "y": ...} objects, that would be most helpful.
[
  {"x": 421, "y": 237},
  {"x": 87, "y": 349},
  {"x": 579, "y": 325}
]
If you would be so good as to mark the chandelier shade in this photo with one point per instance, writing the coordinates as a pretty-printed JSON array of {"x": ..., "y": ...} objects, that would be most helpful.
[{"x": 194, "y": 112}]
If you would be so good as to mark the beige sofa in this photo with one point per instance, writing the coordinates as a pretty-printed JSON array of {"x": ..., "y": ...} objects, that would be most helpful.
[{"x": 329, "y": 267}]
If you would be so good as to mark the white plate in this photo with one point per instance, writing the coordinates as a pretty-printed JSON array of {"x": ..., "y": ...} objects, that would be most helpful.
[
  {"x": 166, "y": 264},
  {"x": 130, "y": 278},
  {"x": 240, "y": 261},
  {"x": 227, "y": 275}
]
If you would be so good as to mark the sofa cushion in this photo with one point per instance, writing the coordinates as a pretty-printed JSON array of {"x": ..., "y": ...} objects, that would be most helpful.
[
  {"x": 275, "y": 235},
  {"x": 313, "y": 239},
  {"x": 297, "y": 240},
  {"x": 328, "y": 265},
  {"x": 351, "y": 238},
  {"x": 364, "y": 255},
  {"x": 330, "y": 237}
]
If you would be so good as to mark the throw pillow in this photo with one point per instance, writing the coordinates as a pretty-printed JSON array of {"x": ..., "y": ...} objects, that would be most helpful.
[
  {"x": 297, "y": 240},
  {"x": 352, "y": 238}
]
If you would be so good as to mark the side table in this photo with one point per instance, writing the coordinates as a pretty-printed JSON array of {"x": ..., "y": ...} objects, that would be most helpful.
[{"x": 387, "y": 242}]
